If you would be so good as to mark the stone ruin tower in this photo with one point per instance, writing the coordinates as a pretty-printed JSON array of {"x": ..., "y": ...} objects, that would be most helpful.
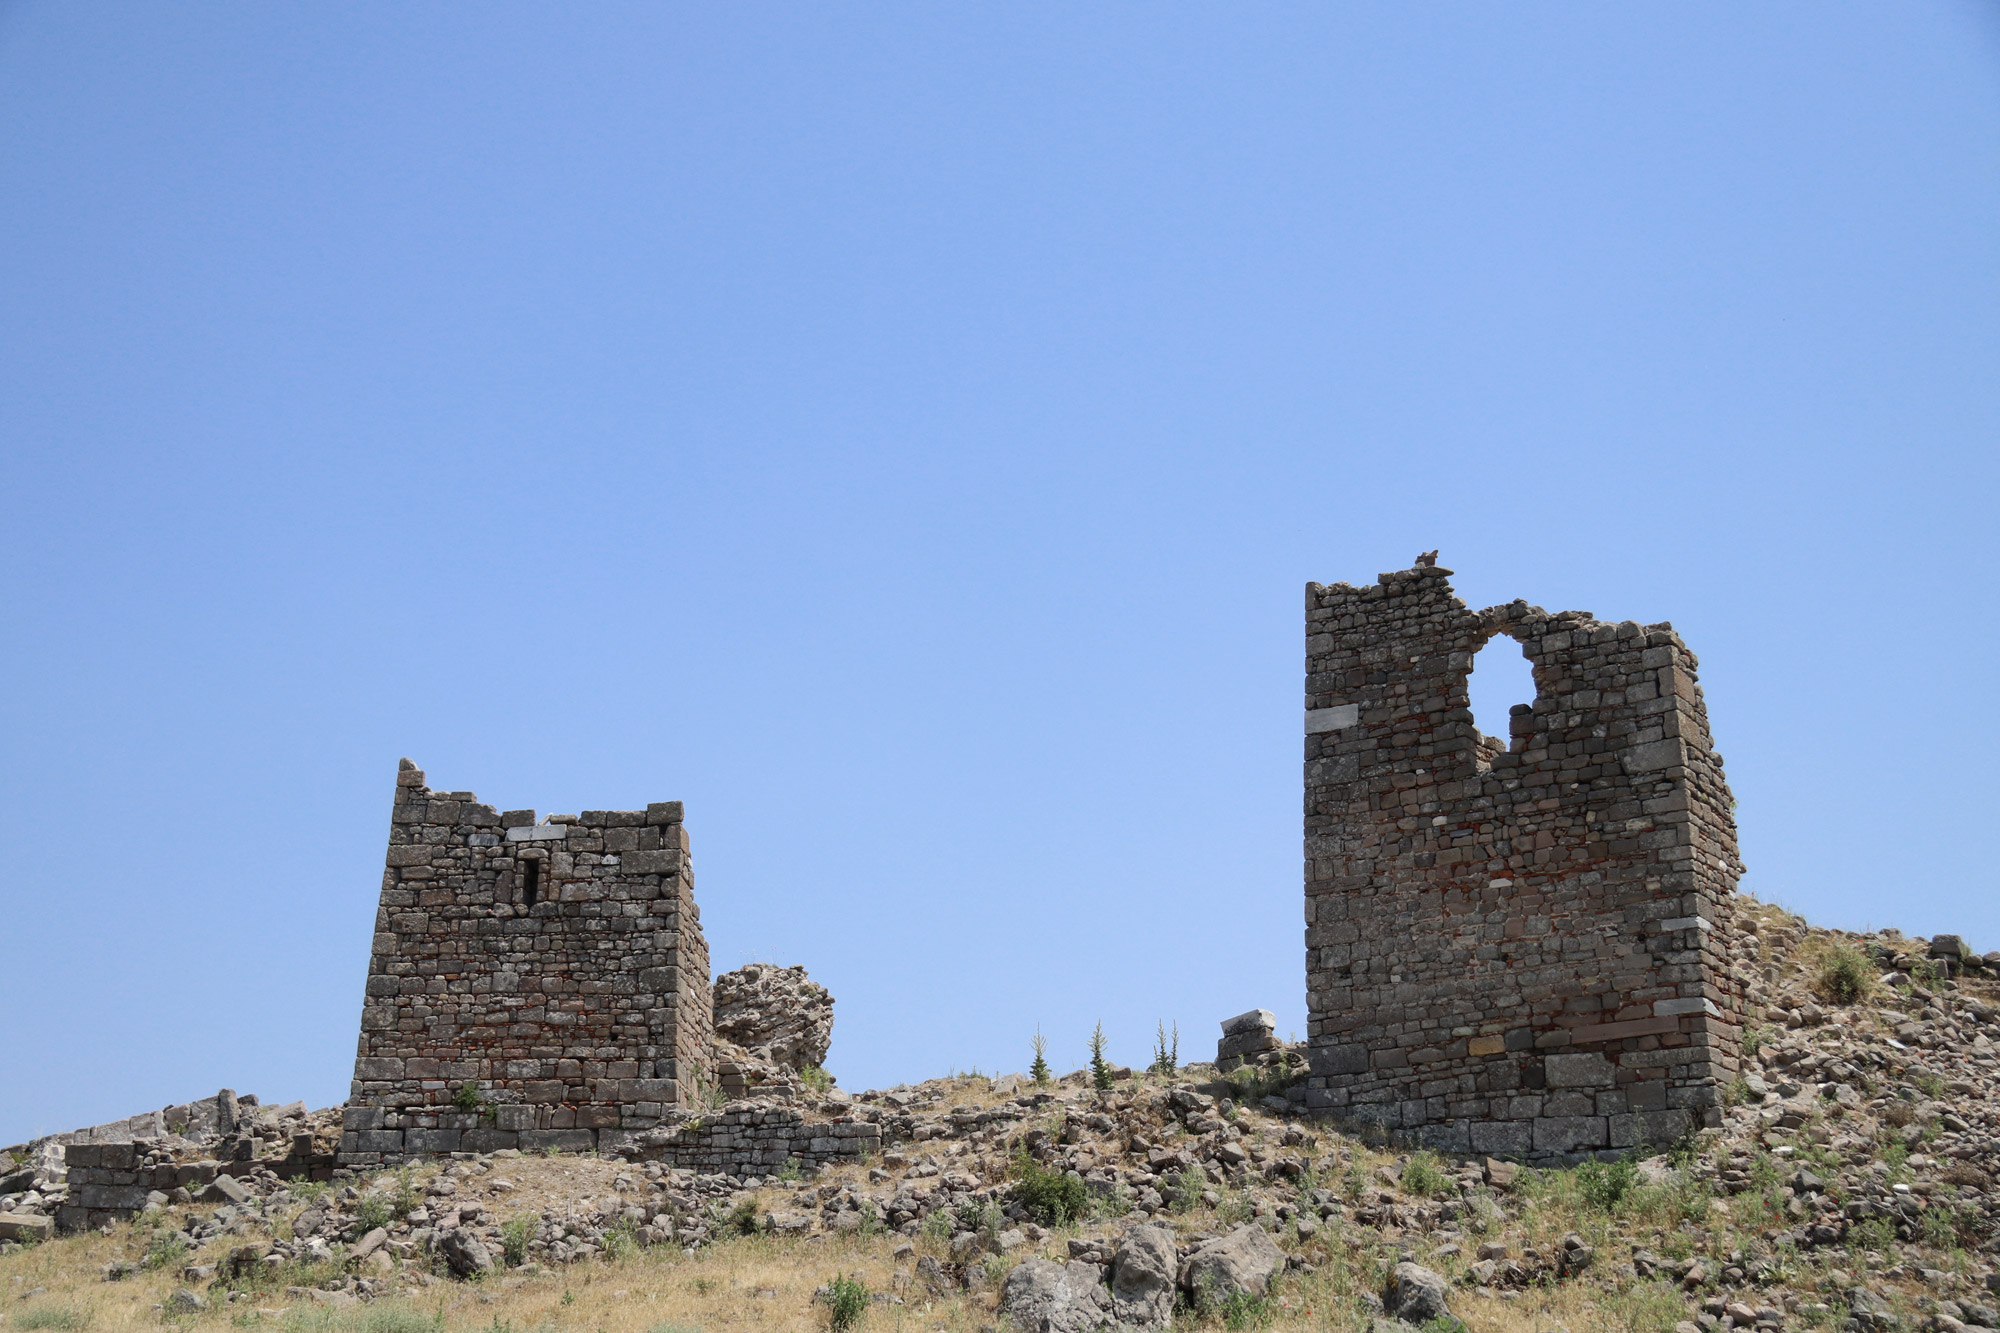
[
  {"x": 557, "y": 968},
  {"x": 1512, "y": 946}
]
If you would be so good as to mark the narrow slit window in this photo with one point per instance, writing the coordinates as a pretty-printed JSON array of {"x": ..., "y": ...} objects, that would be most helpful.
[{"x": 531, "y": 882}]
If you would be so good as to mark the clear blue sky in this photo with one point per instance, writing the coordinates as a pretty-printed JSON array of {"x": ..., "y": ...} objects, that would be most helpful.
[{"x": 903, "y": 434}]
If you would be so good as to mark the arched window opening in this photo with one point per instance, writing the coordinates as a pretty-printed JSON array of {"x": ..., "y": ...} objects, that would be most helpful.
[{"x": 1502, "y": 678}]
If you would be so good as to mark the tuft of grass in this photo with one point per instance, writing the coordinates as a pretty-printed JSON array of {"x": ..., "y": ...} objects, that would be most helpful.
[
  {"x": 372, "y": 1213},
  {"x": 1605, "y": 1185},
  {"x": 1053, "y": 1198},
  {"x": 1645, "y": 1307},
  {"x": 1184, "y": 1194},
  {"x": 164, "y": 1250},
  {"x": 1871, "y": 1233},
  {"x": 1945, "y": 1226},
  {"x": 1242, "y": 1310},
  {"x": 55, "y": 1315},
  {"x": 817, "y": 1079},
  {"x": 1424, "y": 1176},
  {"x": 742, "y": 1220},
  {"x": 1254, "y": 1083},
  {"x": 622, "y": 1241},
  {"x": 1842, "y": 974},
  {"x": 846, "y": 1302},
  {"x": 408, "y": 1196}
]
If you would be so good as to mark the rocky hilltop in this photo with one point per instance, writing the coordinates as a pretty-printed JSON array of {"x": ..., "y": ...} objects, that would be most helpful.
[{"x": 1849, "y": 1184}]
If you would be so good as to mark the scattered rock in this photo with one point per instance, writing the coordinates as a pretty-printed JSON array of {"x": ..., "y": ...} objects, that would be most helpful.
[
  {"x": 1040, "y": 1296},
  {"x": 465, "y": 1253},
  {"x": 1143, "y": 1273},
  {"x": 1241, "y": 1262},
  {"x": 1415, "y": 1294},
  {"x": 25, "y": 1227}
]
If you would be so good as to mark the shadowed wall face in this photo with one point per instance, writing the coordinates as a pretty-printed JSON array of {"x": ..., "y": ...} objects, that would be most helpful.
[
  {"x": 531, "y": 984},
  {"x": 1513, "y": 945}
]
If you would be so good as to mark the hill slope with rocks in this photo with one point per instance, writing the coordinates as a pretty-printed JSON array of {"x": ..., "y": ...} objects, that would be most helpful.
[{"x": 1850, "y": 1185}]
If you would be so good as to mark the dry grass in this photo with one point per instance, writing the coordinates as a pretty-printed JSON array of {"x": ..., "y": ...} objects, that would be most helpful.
[{"x": 757, "y": 1283}]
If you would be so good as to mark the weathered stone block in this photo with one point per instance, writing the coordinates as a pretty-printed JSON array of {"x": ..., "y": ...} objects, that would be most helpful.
[
  {"x": 1588, "y": 1070},
  {"x": 122, "y": 1198},
  {"x": 1503, "y": 1137},
  {"x": 1562, "y": 1134},
  {"x": 431, "y": 1140},
  {"x": 1656, "y": 1129}
]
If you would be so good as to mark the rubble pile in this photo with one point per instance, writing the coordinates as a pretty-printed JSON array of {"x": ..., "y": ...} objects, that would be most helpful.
[{"x": 86, "y": 1178}]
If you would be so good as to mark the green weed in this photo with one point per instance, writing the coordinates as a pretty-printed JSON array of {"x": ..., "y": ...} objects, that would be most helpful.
[
  {"x": 372, "y": 1213},
  {"x": 1604, "y": 1185},
  {"x": 1185, "y": 1187},
  {"x": 514, "y": 1238},
  {"x": 1053, "y": 1198},
  {"x": 1843, "y": 974},
  {"x": 1423, "y": 1176},
  {"x": 846, "y": 1302}
]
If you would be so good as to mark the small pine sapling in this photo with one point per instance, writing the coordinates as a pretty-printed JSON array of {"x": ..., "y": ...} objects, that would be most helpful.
[
  {"x": 1100, "y": 1068},
  {"x": 1039, "y": 1070},
  {"x": 1167, "y": 1051}
]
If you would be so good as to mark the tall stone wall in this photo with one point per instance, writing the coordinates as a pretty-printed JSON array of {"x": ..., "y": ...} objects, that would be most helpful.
[
  {"x": 556, "y": 967},
  {"x": 1512, "y": 946}
]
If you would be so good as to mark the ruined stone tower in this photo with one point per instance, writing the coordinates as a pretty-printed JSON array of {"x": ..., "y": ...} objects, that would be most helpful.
[
  {"x": 1512, "y": 946},
  {"x": 531, "y": 984}
]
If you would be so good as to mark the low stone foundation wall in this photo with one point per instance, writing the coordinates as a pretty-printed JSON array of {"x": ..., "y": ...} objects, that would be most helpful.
[
  {"x": 112, "y": 1182},
  {"x": 109, "y": 1182},
  {"x": 752, "y": 1138},
  {"x": 758, "y": 1141}
]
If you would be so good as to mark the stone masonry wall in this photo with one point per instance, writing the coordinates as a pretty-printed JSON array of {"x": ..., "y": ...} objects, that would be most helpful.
[
  {"x": 1512, "y": 947},
  {"x": 557, "y": 967},
  {"x": 758, "y": 1140}
]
